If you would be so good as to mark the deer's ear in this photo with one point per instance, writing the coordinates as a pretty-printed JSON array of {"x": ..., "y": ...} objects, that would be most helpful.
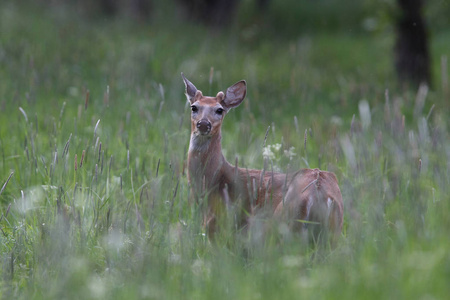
[
  {"x": 235, "y": 94},
  {"x": 190, "y": 88}
]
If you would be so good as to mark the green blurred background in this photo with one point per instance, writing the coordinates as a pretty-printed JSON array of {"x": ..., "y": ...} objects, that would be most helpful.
[{"x": 94, "y": 129}]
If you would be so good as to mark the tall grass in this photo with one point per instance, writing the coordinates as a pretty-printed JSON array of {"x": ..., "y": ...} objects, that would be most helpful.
[{"x": 93, "y": 138}]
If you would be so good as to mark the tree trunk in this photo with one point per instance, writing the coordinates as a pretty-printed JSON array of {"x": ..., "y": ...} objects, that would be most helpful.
[
  {"x": 211, "y": 12},
  {"x": 412, "y": 59}
]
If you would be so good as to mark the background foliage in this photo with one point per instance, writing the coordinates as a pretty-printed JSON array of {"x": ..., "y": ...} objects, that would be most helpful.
[{"x": 94, "y": 130}]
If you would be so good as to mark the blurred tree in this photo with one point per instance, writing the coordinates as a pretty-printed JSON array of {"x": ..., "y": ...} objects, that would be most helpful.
[
  {"x": 412, "y": 59},
  {"x": 262, "y": 4},
  {"x": 136, "y": 8},
  {"x": 139, "y": 9},
  {"x": 108, "y": 7},
  {"x": 211, "y": 12}
]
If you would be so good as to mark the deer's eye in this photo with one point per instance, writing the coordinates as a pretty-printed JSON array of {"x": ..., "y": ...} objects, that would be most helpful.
[
  {"x": 219, "y": 111},
  {"x": 194, "y": 108}
]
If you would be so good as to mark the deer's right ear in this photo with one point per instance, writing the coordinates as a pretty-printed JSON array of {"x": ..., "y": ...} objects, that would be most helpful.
[{"x": 190, "y": 88}]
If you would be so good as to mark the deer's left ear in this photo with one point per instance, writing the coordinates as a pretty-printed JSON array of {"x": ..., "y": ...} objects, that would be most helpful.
[
  {"x": 190, "y": 88},
  {"x": 235, "y": 94}
]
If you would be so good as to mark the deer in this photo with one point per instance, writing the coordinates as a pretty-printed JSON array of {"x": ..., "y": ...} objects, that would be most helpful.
[{"x": 308, "y": 200}]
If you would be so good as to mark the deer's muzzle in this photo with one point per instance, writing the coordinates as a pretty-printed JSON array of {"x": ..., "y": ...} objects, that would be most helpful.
[{"x": 204, "y": 126}]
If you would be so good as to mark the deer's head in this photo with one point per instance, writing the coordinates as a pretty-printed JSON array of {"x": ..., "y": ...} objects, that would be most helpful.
[{"x": 207, "y": 113}]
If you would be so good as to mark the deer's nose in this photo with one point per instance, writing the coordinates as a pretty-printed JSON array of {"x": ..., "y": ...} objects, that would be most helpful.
[{"x": 204, "y": 126}]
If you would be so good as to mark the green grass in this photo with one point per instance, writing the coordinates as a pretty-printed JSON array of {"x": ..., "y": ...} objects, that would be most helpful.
[{"x": 120, "y": 225}]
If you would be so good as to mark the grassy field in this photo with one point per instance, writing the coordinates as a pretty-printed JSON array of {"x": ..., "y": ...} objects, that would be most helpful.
[{"x": 94, "y": 130}]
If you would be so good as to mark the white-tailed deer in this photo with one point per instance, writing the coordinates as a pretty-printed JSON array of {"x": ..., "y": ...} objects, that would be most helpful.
[{"x": 306, "y": 199}]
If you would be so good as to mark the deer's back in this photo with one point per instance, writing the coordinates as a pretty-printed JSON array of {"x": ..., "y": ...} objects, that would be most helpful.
[{"x": 313, "y": 199}]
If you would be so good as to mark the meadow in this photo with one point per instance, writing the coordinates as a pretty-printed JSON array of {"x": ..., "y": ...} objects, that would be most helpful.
[{"x": 94, "y": 130}]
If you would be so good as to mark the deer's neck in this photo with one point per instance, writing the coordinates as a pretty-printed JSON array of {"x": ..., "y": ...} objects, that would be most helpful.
[{"x": 207, "y": 166}]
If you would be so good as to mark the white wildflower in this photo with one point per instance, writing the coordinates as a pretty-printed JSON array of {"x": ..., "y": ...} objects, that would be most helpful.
[
  {"x": 276, "y": 147},
  {"x": 290, "y": 153},
  {"x": 267, "y": 153}
]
